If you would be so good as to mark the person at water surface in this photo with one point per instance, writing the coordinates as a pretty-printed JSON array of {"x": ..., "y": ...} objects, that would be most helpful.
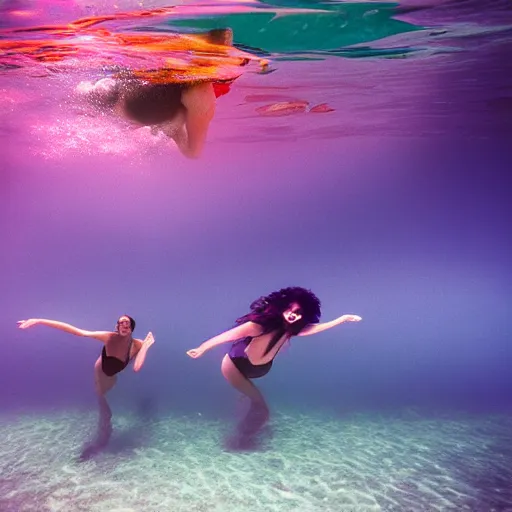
[
  {"x": 259, "y": 336},
  {"x": 119, "y": 348},
  {"x": 182, "y": 111}
]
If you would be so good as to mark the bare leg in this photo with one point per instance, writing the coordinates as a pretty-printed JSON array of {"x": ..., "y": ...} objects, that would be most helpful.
[
  {"x": 258, "y": 414},
  {"x": 238, "y": 381},
  {"x": 103, "y": 384}
]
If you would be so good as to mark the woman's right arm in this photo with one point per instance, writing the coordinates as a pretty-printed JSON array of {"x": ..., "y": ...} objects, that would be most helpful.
[
  {"x": 70, "y": 329},
  {"x": 241, "y": 331}
]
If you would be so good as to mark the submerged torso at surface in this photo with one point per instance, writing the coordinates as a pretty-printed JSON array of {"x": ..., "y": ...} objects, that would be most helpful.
[
  {"x": 143, "y": 103},
  {"x": 152, "y": 104}
]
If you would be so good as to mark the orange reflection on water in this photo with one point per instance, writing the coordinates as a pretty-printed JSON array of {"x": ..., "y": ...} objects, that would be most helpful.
[{"x": 156, "y": 57}]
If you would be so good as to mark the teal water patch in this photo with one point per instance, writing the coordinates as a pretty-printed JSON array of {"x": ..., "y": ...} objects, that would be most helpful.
[
  {"x": 354, "y": 53},
  {"x": 333, "y": 27}
]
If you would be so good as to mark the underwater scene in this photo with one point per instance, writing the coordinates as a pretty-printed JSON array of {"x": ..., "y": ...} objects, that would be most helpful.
[{"x": 256, "y": 256}]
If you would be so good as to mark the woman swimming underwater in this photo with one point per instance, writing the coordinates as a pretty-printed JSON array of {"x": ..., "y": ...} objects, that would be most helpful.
[
  {"x": 119, "y": 348},
  {"x": 260, "y": 334}
]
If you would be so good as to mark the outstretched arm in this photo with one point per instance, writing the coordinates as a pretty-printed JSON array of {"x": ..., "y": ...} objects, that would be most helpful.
[
  {"x": 316, "y": 328},
  {"x": 143, "y": 347},
  {"x": 99, "y": 335},
  {"x": 246, "y": 329}
]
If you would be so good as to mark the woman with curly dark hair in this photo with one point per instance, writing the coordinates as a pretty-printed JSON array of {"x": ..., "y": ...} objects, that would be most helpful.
[{"x": 260, "y": 334}]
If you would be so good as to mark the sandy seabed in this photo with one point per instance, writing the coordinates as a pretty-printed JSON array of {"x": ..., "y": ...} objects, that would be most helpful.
[{"x": 307, "y": 463}]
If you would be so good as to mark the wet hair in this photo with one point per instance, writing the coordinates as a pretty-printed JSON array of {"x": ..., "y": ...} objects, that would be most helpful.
[
  {"x": 150, "y": 104},
  {"x": 220, "y": 36},
  {"x": 132, "y": 322},
  {"x": 268, "y": 310}
]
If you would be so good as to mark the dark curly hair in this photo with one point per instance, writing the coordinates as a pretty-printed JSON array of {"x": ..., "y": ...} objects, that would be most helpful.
[{"x": 268, "y": 312}]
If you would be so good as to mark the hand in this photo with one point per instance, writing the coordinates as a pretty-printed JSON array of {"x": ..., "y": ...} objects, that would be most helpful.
[
  {"x": 149, "y": 339},
  {"x": 351, "y": 318},
  {"x": 25, "y": 324},
  {"x": 194, "y": 353}
]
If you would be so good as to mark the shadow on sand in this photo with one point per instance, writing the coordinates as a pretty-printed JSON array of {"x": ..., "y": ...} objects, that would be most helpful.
[
  {"x": 252, "y": 432},
  {"x": 107, "y": 441}
]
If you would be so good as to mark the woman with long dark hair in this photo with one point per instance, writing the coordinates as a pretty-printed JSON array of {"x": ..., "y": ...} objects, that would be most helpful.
[{"x": 260, "y": 334}]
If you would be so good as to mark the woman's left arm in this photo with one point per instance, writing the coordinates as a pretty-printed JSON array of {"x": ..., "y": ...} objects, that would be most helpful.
[
  {"x": 316, "y": 328},
  {"x": 142, "y": 350}
]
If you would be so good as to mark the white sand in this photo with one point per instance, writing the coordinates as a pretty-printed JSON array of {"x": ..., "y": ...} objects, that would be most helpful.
[{"x": 311, "y": 463}]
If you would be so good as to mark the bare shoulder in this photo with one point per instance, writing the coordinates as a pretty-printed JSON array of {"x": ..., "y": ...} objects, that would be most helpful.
[
  {"x": 198, "y": 96},
  {"x": 137, "y": 343},
  {"x": 136, "y": 346},
  {"x": 250, "y": 329}
]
